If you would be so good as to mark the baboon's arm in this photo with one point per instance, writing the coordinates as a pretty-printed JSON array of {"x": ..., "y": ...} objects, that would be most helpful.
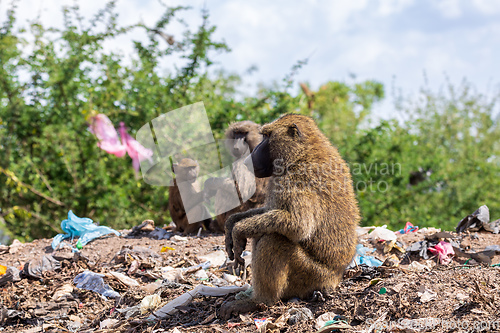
[
  {"x": 296, "y": 226},
  {"x": 233, "y": 220}
]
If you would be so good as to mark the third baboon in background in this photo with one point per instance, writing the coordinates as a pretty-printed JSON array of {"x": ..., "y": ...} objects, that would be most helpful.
[
  {"x": 191, "y": 203},
  {"x": 305, "y": 236},
  {"x": 241, "y": 137}
]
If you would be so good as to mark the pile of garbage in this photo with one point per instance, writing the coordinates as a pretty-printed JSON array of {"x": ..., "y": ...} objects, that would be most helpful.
[{"x": 94, "y": 278}]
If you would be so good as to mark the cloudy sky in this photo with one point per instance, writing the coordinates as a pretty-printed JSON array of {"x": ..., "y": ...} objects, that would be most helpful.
[{"x": 393, "y": 41}]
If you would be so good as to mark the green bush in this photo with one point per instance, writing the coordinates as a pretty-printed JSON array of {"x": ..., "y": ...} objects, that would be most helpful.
[{"x": 50, "y": 162}]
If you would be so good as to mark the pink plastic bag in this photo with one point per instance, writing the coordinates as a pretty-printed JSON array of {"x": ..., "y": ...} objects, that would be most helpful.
[
  {"x": 103, "y": 129},
  {"x": 135, "y": 150},
  {"x": 444, "y": 251}
]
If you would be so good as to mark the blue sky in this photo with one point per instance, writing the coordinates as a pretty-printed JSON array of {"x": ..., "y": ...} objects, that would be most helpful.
[{"x": 393, "y": 41}]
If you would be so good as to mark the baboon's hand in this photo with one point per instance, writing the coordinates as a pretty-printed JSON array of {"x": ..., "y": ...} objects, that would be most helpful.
[{"x": 239, "y": 244}]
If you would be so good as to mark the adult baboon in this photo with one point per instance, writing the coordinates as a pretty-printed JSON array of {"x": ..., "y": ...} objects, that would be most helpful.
[
  {"x": 305, "y": 236},
  {"x": 241, "y": 138}
]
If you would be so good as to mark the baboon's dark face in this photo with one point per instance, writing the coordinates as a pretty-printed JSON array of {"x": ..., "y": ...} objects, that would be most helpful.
[
  {"x": 187, "y": 170},
  {"x": 261, "y": 159},
  {"x": 240, "y": 146}
]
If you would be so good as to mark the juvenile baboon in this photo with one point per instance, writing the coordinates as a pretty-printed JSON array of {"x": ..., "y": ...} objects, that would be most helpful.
[
  {"x": 241, "y": 137},
  {"x": 305, "y": 236},
  {"x": 191, "y": 203}
]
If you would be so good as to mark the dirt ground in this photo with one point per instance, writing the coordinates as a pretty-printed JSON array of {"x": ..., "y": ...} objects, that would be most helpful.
[{"x": 463, "y": 296}]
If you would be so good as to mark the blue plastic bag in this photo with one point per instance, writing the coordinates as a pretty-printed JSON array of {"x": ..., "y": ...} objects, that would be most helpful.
[
  {"x": 82, "y": 227},
  {"x": 362, "y": 258}
]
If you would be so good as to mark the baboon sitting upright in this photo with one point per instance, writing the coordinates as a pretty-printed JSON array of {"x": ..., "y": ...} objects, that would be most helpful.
[
  {"x": 241, "y": 137},
  {"x": 305, "y": 236},
  {"x": 191, "y": 204}
]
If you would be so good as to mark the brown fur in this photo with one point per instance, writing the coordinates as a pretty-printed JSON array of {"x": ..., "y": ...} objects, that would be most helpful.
[
  {"x": 189, "y": 184},
  {"x": 305, "y": 236},
  {"x": 240, "y": 172}
]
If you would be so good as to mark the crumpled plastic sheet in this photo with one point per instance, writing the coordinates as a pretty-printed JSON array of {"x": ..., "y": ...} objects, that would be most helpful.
[
  {"x": 361, "y": 257},
  {"x": 478, "y": 220},
  {"x": 82, "y": 227},
  {"x": 93, "y": 281},
  {"x": 444, "y": 251},
  {"x": 104, "y": 130},
  {"x": 135, "y": 150}
]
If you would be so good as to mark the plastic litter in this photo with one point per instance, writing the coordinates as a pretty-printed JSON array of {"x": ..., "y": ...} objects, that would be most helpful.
[
  {"x": 418, "y": 267},
  {"x": 177, "y": 238},
  {"x": 382, "y": 291},
  {"x": 149, "y": 303},
  {"x": 186, "y": 298},
  {"x": 36, "y": 267},
  {"x": 259, "y": 322},
  {"x": 382, "y": 233},
  {"x": 94, "y": 282},
  {"x": 3, "y": 269},
  {"x": 15, "y": 246},
  {"x": 172, "y": 274},
  {"x": 81, "y": 227},
  {"x": 135, "y": 150},
  {"x": 361, "y": 257},
  {"x": 160, "y": 233},
  {"x": 420, "y": 247},
  {"x": 166, "y": 248},
  {"x": 216, "y": 259},
  {"x": 107, "y": 323},
  {"x": 444, "y": 251},
  {"x": 201, "y": 275},
  {"x": 409, "y": 227},
  {"x": 106, "y": 133},
  {"x": 125, "y": 279},
  {"x": 478, "y": 220},
  {"x": 330, "y": 322},
  {"x": 393, "y": 244},
  {"x": 62, "y": 292},
  {"x": 230, "y": 277},
  {"x": 426, "y": 294},
  {"x": 495, "y": 248},
  {"x": 10, "y": 275},
  {"x": 298, "y": 315}
]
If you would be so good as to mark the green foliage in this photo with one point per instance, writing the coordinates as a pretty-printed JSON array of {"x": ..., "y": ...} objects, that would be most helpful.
[{"x": 50, "y": 162}]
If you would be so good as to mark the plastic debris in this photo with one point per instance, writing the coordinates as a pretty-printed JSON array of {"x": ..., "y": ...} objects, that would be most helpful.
[
  {"x": 94, "y": 282},
  {"x": 177, "y": 238},
  {"x": 259, "y": 322},
  {"x": 382, "y": 291},
  {"x": 149, "y": 303},
  {"x": 106, "y": 133},
  {"x": 201, "y": 275},
  {"x": 125, "y": 279},
  {"x": 107, "y": 323},
  {"x": 15, "y": 246},
  {"x": 160, "y": 233},
  {"x": 299, "y": 314},
  {"x": 36, "y": 267},
  {"x": 166, "y": 248},
  {"x": 426, "y": 294},
  {"x": 409, "y": 227},
  {"x": 135, "y": 150},
  {"x": 382, "y": 233},
  {"x": 230, "y": 278},
  {"x": 444, "y": 251},
  {"x": 134, "y": 267},
  {"x": 146, "y": 226},
  {"x": 186, "y": 298},
  {"x": 216, "y": 259},
  {"x": 420, "y": 247},
  {"x": 330, "y": 322},
  {"x": 418, "y": 267},
  {"x": 172, "y": 274},
  {"x": 3, "y": 269},
  {"x": 11, "y": 275},
  {"x": 361, "y": 257},
  {"x": 62, "y": 292},
  {"x": 393, "y": 244},
  {"x": 82, "y": 227},
  {"x": 391, "y": 261},
  {"x": 476, "y": 221},
  {"x": 130, "y": 311}
]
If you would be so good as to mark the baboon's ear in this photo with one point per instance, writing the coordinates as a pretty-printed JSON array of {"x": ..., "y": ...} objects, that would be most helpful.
[{"x": 294, "y": 131}]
